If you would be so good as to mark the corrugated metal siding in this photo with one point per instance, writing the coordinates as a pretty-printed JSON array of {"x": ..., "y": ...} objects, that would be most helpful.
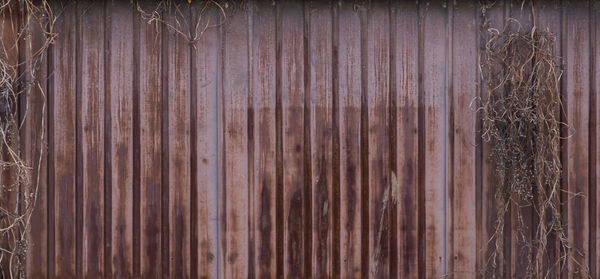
[{"x": 295, "y": 139}]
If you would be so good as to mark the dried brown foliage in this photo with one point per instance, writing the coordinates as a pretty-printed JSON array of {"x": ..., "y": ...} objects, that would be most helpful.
[{"x": 521, "y": 116}]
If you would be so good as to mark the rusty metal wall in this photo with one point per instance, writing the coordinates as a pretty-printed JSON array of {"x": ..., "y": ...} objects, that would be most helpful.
[{"x": 323, "y": 139}]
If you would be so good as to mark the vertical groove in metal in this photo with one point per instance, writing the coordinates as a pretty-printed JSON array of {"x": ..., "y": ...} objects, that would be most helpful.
[
  {"x": 164, "y": 203},
  {"x": 78, "y": 149},
  {"x": 194, "y": 185},
  {"x": 421, "y": 147},
  {"x": 393, "y": 127},
  {"x": 222, "y": 204},
  {"x": 593, "y": 134},
  {"x": 107, "y": 146},
  {"x": 136, "y": 145},
  {"x": 278, "y": 149},
  {"x": 336, "y": 199},
  {"x": 251, "y": 147},
  {"x": 364, "y": 144},
  {"x": 51, "y": 174},
  {"x": 449, "y": 145},
  {"x": 480, "y": 243},
  {"x": 220, "y": 147},
  {"x": 307, "y": 203}
]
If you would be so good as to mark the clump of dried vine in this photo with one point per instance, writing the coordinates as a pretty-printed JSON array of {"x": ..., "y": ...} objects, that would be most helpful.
[
  {"x": 18, "y": 81},
  {"x": 521, "y": 117}
]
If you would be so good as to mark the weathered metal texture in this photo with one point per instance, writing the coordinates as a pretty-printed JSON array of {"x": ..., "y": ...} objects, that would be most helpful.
[{"x": 323, "y": 139}]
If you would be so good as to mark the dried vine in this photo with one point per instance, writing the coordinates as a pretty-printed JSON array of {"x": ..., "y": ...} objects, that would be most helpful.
[
  {"x": 192, "y": 28},
  {"x": 521, "y": 116},
  {"x": 18, "y": 82}
]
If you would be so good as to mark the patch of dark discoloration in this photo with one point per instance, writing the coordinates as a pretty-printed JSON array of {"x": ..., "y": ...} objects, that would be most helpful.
[
  {"x": 322, "y": 217},
  {"x": 94, "y": 229},
  {"x": 65, "y": 231},
  {"x": 409, "y": 225},
  {"x": 179, "y": 259},
  {"x": 152, "y": 234},
  {"x": 265, "y": 226},
  {"x": 232, "y": 258},
  {"x": 350, "y": 193},
  {"x": 407, "y": 186},
  {"x": 121, "y": 259},
  {"x": 351, "y": 116},
  {"x": 350, "y": 173},
  {"x": 294, "y": 239}
]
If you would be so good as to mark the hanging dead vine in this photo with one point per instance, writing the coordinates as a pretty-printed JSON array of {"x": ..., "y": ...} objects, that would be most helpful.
[
  {"x": 521, "y": 116},
  {"x": 18, "y": 81}
]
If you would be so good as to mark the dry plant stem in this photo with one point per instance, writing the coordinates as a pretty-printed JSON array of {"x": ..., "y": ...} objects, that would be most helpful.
[
  {"x": 190, "y": 29},
  {"x": 521, "y": 119},
  {"x": 18, "y": 194}
]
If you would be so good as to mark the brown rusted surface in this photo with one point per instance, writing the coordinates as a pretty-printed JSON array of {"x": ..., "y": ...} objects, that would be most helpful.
[
  {"x": 595, "y": 142},
  {"x": 364, "y": 150},
  {"x": 320, "y": 94},
  {"x": 205, "y": 58},
  {"x": 349, "y": 48},
  {"x": 234, "y": 140},
  {"x": 292, "y": 97},
  {"x": 464, "y": 70},
  {"x": 321, "y": 139},
  {"x": 91, "y": 131},
  {"x": 435, "y": 113},
  {"x": 406, "y": 90},
  {"x": 178, "y": 109},
  {"x": 577, "y": 77},
  {"x": 149, "y": 84},
  {"x": 263, "y": 44},
  {"x": 381, "y": 194},
  {"x": 393, "y": 146},
  {"x": 120, "y": 88},
  {"x": 306, "y": 125},
  {"x": 62, "y": 113}
]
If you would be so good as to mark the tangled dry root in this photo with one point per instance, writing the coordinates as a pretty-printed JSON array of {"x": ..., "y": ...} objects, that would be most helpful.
[
  {"x": 18, "y": 193},
  {"x": 521, "y": 116}
]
